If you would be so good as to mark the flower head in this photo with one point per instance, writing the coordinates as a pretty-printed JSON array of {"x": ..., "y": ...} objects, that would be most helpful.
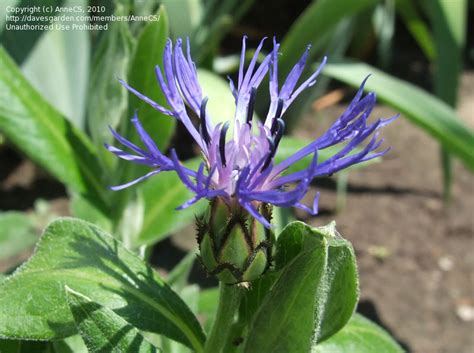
[{"x": 239, "y": 166}]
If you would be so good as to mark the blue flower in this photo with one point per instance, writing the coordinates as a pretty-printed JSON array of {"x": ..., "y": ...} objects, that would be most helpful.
[{"x": 238, "y": 164}]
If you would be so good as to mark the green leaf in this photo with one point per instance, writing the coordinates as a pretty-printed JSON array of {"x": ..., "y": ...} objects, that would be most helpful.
[
  {"x": 15, "y": 346},
  {"x": 185, "y": 16},
  {"x": 82, "y": 208},
  {"x": 20, "y": 43},
  {"x": 107, "y": 99},
  {"x": 359, "y": 335},
  {"x": 221, "y": 105},
  {"x": 17, "y": 233},
  {"x": 102, "y": 329},
  {"x": 318, "y": 18},
  {"x": 142, "y": 77},
  {"x": 316, "y": 291},
  {"x": 190, "y": 294},
  {"x": 418, "y": 29},
  {"x": 207, "y": 306},
  {"x": 42, "y": 133},
  {"x": 162, "y": 194},
  {"x": 178, "y": 276},
  {"x": 72, "y": 344},
  {"x": 77, "y": 254},
  {"x": 58, "y": 66},
  {"x": 420, "y": 107},
  {"x": 449, "y": 27},
  {"x": 148, "y": 54}
]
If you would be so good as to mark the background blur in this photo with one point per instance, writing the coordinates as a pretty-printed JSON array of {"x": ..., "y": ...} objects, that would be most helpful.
[{"x": 409, "y": 217}]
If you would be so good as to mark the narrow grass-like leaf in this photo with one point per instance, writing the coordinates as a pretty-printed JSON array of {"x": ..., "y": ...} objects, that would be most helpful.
[
  {"x": 148, "y": 54},
  {"x": 178, "y": 276},
  {"x": 449, "y": 25},
  {"x": 80, "y": 255},
  {"x": 319, "y": 17},
  {"x": 359, "y": 335},
  {"x": 102, "y": 329},
  {"x": 207, "y": 306},
  {"x": 420, "y": 107},
  {"x": 417, "y": 27},
  {"x": 42, "y": 133},
  {"x": 20, "y": 43}
]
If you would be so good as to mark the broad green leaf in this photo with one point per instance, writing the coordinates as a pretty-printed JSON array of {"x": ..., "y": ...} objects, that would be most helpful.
[
  {"x": 185, "y": 16},
  {"x": 148, "y": 54},
  {"x": 359, "y": 335},
  {"x": 162, "y": 194},
  {"x": 58, "y": 66},
  {"x": 339, "y": 293},
  {"x": 449, "y": 28},
  {"x": 82, "y": 208},
  {"x": 421, "y": 108},
  {"x": 254, "y": 296},
  {"x": 78, "y": 254},
  {"x": 42, "y": 133},
  {"x": 221, "y": 105},
  {"x": 316, "y": 291},
  {"x": 15, "y": 346},
  {"x": 290, "y": 328},
  {"x": 190, "y": 295},
  {"x": 102, "y": 329},
  {"x": 17, "y": 233},
  {"x": 72, "y": 344},
  {"x": 107, "y": 100}
]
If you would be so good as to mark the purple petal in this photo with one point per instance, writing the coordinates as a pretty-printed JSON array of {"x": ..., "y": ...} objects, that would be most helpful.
[{"x": 133, "y": 182}]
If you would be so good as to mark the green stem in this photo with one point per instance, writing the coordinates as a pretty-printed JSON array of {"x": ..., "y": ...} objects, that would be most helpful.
[{"x": 229, "y": 300}]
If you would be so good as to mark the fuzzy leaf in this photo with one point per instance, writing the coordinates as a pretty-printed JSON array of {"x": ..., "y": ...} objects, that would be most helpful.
[
  {"x": 102, "y": 329},
  {"x": 17, "y": 233},
  {"x": 80, "y": 255},
  {"x": 359, "y": 335},
  {"x": 316, "y": 291}
]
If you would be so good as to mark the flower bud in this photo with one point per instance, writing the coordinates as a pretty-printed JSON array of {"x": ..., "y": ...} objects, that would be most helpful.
[{"x": 233, "y": 245}]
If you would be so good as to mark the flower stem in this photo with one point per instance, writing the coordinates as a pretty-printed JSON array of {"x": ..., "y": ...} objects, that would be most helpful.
[{"x": 229, "y": 300}]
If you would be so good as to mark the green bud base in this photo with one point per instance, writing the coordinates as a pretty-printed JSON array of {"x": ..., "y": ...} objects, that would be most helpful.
[{"x": 233, "y": 245}]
